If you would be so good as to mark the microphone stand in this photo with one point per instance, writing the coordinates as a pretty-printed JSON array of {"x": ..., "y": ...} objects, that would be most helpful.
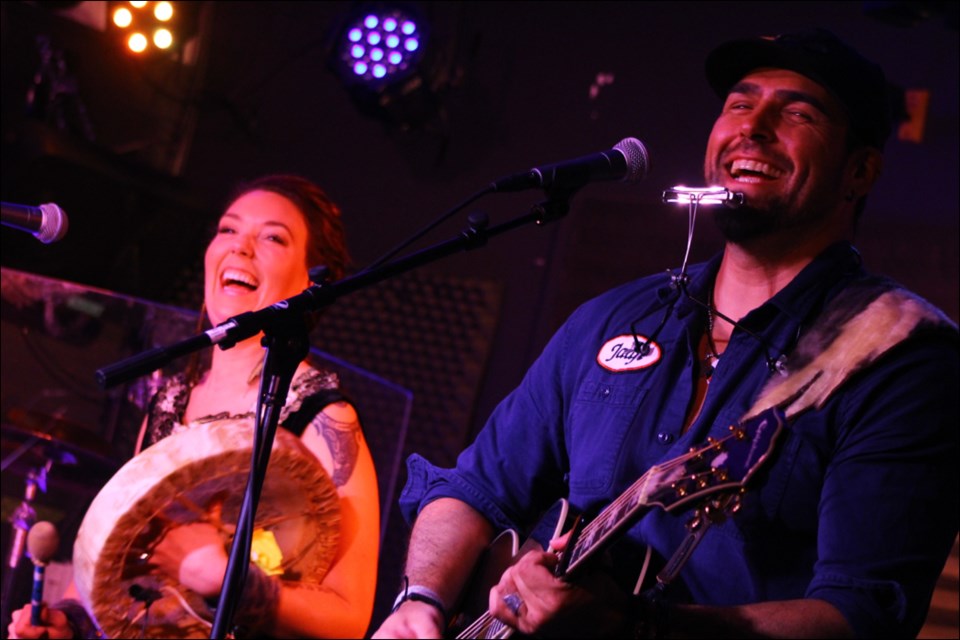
[
  {"x": 286, "y": 341},
  {"x": 287, "y": 344}
]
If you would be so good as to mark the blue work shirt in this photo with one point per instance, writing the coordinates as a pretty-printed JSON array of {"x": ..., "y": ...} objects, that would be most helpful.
[{"x": 857, "y": 507}]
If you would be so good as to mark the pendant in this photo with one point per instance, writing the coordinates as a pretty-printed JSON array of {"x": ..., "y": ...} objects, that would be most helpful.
[{"x": 709, "y": 365}]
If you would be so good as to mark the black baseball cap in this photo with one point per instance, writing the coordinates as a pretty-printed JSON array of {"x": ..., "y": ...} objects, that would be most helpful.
[{"x": 859, "y": 84}]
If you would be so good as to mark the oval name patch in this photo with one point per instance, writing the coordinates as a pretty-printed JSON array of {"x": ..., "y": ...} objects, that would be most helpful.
[{"x": 618, "y": 354}]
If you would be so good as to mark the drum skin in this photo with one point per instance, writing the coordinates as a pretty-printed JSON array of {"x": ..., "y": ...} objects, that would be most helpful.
[{"x": 184, "y": 478}]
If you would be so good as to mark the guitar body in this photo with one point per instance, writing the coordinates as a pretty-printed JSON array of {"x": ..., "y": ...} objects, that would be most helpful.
[{"x": 707, "y": 479}]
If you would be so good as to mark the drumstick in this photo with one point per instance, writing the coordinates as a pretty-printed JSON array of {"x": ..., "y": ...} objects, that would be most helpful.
[{"x": 42, "y": 543}]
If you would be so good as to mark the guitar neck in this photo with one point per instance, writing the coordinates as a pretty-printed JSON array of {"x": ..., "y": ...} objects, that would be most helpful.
[
  {"x": 589, "y": 538},
  {"x": 723, "y": 464}
]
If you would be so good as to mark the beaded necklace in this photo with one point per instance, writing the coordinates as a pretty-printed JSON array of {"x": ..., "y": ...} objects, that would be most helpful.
[{"x": 710, "y": 361}]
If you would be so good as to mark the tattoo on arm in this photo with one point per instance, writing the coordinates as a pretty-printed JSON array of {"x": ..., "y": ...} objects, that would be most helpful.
[{"x": 343, "y": 439}]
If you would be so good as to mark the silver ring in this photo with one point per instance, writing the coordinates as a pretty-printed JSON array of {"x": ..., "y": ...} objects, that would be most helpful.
[{"x": 513, "y": 602}]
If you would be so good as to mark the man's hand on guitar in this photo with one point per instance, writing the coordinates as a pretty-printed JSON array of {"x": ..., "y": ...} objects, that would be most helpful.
[
  {"x": 412, "y": 619},
  {"x": 531, "y": 599}
]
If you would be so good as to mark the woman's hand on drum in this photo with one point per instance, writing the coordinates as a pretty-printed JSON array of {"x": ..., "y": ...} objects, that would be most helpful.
[
  {"x": 194, "y": 555},
  {"x": 55, "y": 624}
]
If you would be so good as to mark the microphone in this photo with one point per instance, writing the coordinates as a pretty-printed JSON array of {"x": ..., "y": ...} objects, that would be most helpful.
[
  {"x": 47, "y": 222},
  {"x": 143, "y": 594},
  {"x": 42, "y": 543},
  {"x": 627, "y": 161}
]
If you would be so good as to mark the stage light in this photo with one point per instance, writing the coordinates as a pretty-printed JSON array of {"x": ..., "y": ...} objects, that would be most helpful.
[
  {"x": 162, "y": 39},
  {"x": 122, "y": 17},
  {"x": 368, "y": 36},
  {"x": 163, "y": 11},
  {"x": 137, "y": 42},
  {"x": 385, "y": 56},
  {"x": 171, "y": 24}
]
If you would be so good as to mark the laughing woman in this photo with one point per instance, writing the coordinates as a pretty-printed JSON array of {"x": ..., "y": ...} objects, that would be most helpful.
[{"x": 271, "y": 233}]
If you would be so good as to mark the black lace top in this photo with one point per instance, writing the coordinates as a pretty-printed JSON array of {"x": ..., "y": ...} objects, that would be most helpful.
[{"x": 309, "y": 393}]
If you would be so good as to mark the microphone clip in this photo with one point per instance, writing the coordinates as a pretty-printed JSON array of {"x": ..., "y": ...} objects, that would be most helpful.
[
  {"x": 778, "y": 365},
  {"x": 679, "y": 281},
  {"x": 556, "y": 206}
]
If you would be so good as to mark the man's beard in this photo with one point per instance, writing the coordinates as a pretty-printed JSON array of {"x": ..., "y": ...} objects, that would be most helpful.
[
  {"x": 751, "y": 222},
  {"x": 746, "y": 223}
]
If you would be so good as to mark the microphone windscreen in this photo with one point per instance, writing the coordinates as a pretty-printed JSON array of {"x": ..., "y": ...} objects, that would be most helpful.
[
  {"x": 638, "y": 159},
  {"x": 42, "y": 541},
  {"x": 55, "y": 223}
]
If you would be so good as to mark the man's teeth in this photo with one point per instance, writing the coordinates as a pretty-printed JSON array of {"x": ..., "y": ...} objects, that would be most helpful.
[
  {"x": 232, "y": 276},
  {"x": 754, "y": 168}
]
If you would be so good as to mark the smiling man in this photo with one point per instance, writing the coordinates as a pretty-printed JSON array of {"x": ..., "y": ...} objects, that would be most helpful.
[
  {"x": 840, "y": 384},
  {"x": 780, "y": 141}
]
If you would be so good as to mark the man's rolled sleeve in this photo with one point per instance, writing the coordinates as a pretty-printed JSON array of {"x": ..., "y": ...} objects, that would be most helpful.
[{"x": 426, "y": 483}]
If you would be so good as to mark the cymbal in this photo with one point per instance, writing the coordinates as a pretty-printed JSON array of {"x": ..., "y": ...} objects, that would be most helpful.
[{"x": 58, "y": 432}]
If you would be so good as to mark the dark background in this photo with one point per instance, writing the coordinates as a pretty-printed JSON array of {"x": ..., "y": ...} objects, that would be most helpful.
[{"x": 142, "y": 154}]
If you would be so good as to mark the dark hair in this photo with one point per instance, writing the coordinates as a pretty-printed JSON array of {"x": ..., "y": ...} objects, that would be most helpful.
[{"x": 326, "y": 241}]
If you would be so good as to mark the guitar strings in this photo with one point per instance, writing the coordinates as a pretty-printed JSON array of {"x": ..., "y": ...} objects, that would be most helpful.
[{"x": 485, "y": 622}]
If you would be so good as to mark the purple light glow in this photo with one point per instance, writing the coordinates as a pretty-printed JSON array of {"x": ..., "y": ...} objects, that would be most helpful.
[{"x": 381, "y": 46}]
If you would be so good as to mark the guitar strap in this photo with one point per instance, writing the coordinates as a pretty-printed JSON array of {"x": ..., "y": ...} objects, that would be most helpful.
[
  {"x": 856, "y": 328},
  {"x": 860, "y": 324}
]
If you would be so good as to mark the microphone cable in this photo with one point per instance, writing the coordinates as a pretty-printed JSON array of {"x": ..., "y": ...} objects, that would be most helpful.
[
  {"x": 679, "y": 281},
  {"x": 425, "y": 230}
]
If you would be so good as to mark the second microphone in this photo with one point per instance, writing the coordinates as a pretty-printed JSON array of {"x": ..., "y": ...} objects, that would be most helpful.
[{"x": 628, "y": 161}]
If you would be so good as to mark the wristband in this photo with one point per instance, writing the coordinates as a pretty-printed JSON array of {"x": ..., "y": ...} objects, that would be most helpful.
[{"x": 419, "y": 593}]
